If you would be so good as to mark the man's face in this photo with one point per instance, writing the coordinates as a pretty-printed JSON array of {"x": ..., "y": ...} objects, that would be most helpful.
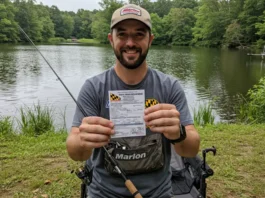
[{"x": 130, "y": 40}]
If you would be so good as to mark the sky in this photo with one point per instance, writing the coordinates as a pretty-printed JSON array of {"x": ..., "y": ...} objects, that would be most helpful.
[{"x": 72, "y": 5}]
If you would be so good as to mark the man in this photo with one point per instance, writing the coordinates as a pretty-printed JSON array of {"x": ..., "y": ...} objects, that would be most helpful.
[{"x": 168, "y": 111}]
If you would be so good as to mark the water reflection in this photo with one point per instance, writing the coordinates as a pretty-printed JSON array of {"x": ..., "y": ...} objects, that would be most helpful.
[
  {"x": 178, "y": 62},
  {"x": 207, "y": 75},
  {"x": 8, "y": 69}
]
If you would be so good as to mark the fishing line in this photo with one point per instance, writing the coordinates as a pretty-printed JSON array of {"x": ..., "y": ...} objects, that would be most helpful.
[{"x": 128, "y": 182}]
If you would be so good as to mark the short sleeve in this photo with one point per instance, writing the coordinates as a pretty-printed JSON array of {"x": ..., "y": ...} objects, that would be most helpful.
[{"x": 88, "y": 100}]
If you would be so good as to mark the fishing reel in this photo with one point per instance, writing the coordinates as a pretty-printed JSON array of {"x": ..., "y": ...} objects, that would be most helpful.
[{"x": 85, "y": 174}]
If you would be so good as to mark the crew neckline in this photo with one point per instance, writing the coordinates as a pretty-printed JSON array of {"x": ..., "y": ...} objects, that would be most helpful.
[{"x": 127, "y": 86}]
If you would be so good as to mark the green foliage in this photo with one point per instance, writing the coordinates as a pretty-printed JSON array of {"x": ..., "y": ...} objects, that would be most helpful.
[
  {"x": 109, "y": 6},
  {"x": 210, "y": 24},
  {"x": 203, "y": 115},
  {"x": 260, "y": 43},
  {"x": 57, "y": 19},
  {"x": 83, "y": 24},
  {"x": 101, "y": 20},
  {"x": 100, "y": 28},
  {"x": 147, "y": 4},
  {"x": 252, "y": 108},
  {"x": 158, "y": 29},
  {"x": 67, "y": 25},
  {"x": 47, "y": 26},
  {"x": 27, "y": 18},
  {"x": 8, "y": 26},
  {"x": 233, "y": 35},
  {"x": 180, "y": 22},
  {"x": 162, "y": 7},
  {"x": 232, "y": 23},
  {"x": 88, "y": 41},
  {"x": 36, "y": 121},
  {"x": 261, "y": 27},
  {"x": 249, "y": 17},
  {"x": 56, "y": 40},
  {"x": 185, "y": 4},
  {"x": 6, "y": 125}
]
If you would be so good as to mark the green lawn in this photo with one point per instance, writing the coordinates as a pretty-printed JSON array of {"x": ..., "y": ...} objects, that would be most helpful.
[{"x": 40, "y": 167}]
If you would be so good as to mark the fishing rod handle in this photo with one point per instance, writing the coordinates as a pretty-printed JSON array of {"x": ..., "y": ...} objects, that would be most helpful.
[{"x": 132, "y": 189}]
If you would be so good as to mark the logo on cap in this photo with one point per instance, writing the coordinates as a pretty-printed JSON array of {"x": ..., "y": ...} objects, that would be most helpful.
[{"x": 130, "y": 11}]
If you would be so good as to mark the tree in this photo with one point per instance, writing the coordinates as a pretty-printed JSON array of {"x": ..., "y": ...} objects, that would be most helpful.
[
  {"x": 210, "y": 24},
  {"x": 83, "y": 24},
  {"x": 57, "y": 19},
  {"x": 158, "y": 29},
  {"x": 162, "y": 7},
  {"x": 261, "y": 32},
  {"x": 233, "y": 35},
  {"x": 180, "y": 22},
  {"x": 185, "y": 4},
  {"x": 8, "y": 26},
  {"x": 249, "y": 17},
  {"x": 261, "y": 27},
  {"x": 102, "y": 19},
  {"x": 67, "y": 25},
  {"x": 47, "y": 30},
  {"x": 233, "y": 8},
  {"x": 100, "y": 27},
  {"x": 109, "y": 6},
  {"x": 27, "y": 18},
  {"x": 146, "y": 4}
]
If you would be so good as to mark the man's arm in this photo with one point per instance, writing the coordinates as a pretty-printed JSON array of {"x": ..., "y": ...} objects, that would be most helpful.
[
  {"x": 164, "y": 118},
  {"x": 74, "y": 148},
  {"x": 94, "y": 132},
  {"x": 190, "y": 146}
]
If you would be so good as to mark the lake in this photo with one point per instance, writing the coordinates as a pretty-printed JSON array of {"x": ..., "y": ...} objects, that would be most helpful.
[{"x": 208, "y": 75}]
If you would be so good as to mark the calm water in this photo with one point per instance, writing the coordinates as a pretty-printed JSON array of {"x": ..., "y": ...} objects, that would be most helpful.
[{"x": 206, "y": 75}]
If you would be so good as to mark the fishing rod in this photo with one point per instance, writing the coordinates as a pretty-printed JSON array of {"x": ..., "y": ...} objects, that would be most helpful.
[{"x": 128, "y": 183}]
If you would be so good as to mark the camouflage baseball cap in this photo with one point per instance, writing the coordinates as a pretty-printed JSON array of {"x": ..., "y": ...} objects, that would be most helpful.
[{"x": 131, "y": 11}]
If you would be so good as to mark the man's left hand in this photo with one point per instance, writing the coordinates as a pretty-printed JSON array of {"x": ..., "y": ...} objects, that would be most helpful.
[{"x": 163, "y": 118}]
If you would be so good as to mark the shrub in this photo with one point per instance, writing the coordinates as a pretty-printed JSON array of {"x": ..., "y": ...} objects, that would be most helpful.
[
  {"x": 37, "y": 120},
  {"x": 251, "y": 109},
  {"x": 56, "y": 40},
  {"x": 6, "y": 125},
  {"x": 203, "y": 115}
]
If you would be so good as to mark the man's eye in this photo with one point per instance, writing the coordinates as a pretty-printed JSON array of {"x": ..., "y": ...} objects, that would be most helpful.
[
  {"x": 140, "y": 34},
  {"x": 121, "y": 35}
]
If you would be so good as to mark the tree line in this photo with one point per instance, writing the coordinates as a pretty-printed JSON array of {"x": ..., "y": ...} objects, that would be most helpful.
[{"x": 212, "y": 23}]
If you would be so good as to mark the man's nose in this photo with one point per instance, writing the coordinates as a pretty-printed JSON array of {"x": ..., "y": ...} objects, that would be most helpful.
[{"x": 130, "y": 41}]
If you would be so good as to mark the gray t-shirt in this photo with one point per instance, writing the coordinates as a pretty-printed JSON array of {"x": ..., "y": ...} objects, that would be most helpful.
[{"x": 93, "y": 97}]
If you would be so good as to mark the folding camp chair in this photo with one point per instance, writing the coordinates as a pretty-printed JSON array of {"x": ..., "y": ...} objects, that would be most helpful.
[{"x": 188, "y": 175}]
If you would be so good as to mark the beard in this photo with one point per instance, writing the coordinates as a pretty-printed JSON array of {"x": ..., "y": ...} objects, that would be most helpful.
[{"x": 131, "y": 65}]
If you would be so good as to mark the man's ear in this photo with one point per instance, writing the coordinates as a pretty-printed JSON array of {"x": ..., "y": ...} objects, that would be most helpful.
[
  {"x": 151, "y": 39},
  {"x": 110, "y": 39}
]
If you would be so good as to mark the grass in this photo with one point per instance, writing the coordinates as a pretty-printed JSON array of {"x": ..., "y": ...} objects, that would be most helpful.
[
  {"x": 56, "y": 40},
  {"x": 88, "y": 41},
  {"x": 39, "y": 166},
  {"x": 239, "y": 163},
  {"x": 36, "y": 167},
  {"x": 36, "y": 120},
  {"x": 6, "y": 125},
  {"x": 203, "y": 115}
]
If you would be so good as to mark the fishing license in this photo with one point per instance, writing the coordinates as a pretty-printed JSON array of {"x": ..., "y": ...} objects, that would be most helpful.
[{"x": 126, "y": 109}]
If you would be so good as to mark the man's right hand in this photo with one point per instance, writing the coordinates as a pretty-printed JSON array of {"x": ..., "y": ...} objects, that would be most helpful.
[{"x": 94, "y": 132}]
